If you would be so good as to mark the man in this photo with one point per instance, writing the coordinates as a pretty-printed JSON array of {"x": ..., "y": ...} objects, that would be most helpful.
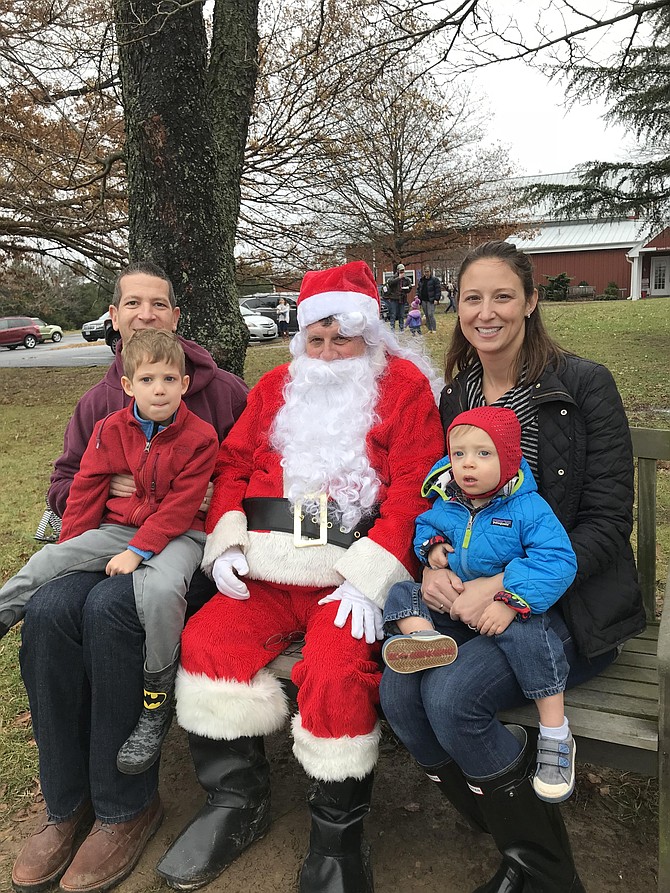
[
  {"x": 82, "y": 656},
  {"x": 314, "y": 524},
  {"x": 429, "y": 294},
  {"x": 399, "y": 287}
]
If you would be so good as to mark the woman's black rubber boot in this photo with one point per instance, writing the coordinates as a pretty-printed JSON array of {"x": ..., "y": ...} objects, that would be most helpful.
[
  {"x": 453, "y": 785},
  {"x": 143, "y": 747},
  {"x": 529, "y": 832},
  {"x": 338, "y": 860},
  {"x": 236, "y": 776}
]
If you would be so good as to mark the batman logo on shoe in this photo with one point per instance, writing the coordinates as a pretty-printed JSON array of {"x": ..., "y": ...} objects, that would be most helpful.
[{"x": 154, "y": 699}]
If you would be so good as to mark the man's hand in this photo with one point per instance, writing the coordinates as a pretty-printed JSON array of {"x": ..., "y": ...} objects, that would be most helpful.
[
  {"x": 225, "y": 570},
  {"x": 440, "y": 588},
  {"x": 121, "y": 485},
  {"x": 495, "y": 619},
  {"x": 207, "y": 501},
  {"x": 366, "y": 616},
  {"x": 124, "y": 563}
]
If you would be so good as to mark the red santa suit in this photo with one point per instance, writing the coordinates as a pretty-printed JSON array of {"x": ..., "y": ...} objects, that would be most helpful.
[{"x": 223, "y": 690}]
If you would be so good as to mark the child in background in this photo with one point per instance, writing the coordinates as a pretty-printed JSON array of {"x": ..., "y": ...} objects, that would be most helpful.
[
  {"x": 488, "y": 518},
  {"x": 157, "y": 534},
  {"x": 414, "y": 317}
]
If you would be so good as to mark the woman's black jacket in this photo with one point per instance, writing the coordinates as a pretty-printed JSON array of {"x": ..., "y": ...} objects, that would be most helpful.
[{"x": 586, "y": 475}]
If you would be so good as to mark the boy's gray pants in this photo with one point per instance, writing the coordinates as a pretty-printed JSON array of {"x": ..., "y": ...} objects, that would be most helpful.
[{"x": 160, "y": 583}]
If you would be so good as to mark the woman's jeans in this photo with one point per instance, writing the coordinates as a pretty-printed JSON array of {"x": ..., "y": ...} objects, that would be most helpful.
[
  {"x": 449, "y": 713},
  {"x": 533, "y": 648},
  {"x": 82, "y": 659},
  {"x": 397, "y": 311}
]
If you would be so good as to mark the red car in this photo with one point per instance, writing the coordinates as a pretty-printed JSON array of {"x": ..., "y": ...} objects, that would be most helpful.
[{"x": 15, "y": 330}]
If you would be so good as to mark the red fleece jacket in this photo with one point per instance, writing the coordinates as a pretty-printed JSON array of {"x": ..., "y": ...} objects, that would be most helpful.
[{"x": 171, "y": 474}]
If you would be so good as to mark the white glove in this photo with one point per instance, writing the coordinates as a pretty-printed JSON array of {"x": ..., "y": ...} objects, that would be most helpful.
[
  {"x": 223, "y": 573},
  {"x": 366, "y": 616}
]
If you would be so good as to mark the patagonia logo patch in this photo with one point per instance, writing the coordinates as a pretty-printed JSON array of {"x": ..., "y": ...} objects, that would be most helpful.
[{"x": 501, "y": 522}]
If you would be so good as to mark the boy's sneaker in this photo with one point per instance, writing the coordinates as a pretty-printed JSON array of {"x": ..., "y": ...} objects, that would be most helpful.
[
  {"x": 420, "y": 650},
  {"x": 554, "y": 779}
]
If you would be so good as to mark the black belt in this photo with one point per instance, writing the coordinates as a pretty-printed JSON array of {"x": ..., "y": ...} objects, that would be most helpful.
[{"x": 271, "y": 513}]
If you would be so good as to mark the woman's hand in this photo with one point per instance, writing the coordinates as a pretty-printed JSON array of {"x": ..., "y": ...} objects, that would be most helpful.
[
  {"x": 440, "y": 588},
  {"x": 121, "y": 485},
  {"x": 476, "y": 596}
]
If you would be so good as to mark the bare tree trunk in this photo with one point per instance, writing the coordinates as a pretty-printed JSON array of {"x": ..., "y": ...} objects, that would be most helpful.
[{"x": 181, "y": 215}]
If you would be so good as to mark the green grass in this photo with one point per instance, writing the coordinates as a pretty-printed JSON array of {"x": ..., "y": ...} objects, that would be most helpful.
[{"x": 632, "y": 339}]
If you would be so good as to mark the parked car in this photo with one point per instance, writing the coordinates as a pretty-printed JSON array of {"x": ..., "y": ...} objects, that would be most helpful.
[
  {"x": 15, "y": 330},
  {"x": 48, "y": 332},
  {"x": 266, "y": 304},
  {"x": 95, "y": 329},
  {"x": 260, "y": 327}
]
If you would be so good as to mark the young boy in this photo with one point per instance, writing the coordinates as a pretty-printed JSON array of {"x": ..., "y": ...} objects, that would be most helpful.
[
  {"x": 488, "y": 509},
  {"x": 157, "y": 534}
]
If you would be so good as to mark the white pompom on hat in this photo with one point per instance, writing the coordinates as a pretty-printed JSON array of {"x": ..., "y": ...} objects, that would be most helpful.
[{"x": 350, "y": 288}]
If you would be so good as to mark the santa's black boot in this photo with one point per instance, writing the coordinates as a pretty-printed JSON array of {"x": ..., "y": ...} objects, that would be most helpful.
[
  {"x": 236, "y": 776},
  {"x": 529, "y": 832},
  {"x": 453, "y": 785},
  {"x": 143, "y": 747},
  {"x": 338, "y": 860}
]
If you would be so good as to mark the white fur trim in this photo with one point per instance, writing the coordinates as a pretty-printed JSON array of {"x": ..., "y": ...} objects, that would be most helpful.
[
  {"x": 328, "y": 303},
  {"x": 334, "y": 759},
  {"x": 227, "y": 709},
  {"x": 272, "y": 557},
  {"x": 230, "y": 530},
  {"x": 371, "y": 569}
]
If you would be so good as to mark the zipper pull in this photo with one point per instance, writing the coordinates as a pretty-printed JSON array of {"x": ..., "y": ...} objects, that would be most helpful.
[{"x": 147, "y": 447}]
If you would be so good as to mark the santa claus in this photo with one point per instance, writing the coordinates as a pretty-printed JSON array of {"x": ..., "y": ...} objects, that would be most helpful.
[{"x": 312, "y": 518}]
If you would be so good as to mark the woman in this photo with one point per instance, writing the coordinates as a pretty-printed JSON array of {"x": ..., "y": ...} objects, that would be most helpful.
[
  {"x": 283, "y": 315},
  {"x": 576, "y": 439}
]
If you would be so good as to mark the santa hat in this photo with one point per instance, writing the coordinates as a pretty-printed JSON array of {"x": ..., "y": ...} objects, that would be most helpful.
[
  {"x": 503, "y": 427},
  {"x": 347, "y": 289}
]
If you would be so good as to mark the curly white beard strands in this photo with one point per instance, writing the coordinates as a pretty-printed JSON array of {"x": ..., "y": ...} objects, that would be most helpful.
[{"x": 320, "y": 433}]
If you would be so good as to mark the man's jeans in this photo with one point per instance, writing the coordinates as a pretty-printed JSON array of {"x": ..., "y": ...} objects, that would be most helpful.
[
  {"x": 450, "y": 712},
  {"x": 397, "y": 311},
  {"x": 428, "y": 308},
  {"x": 82, "y": 658}
]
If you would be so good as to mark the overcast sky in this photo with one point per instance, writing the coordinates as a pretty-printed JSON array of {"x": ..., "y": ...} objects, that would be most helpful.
[
  {"x": 528, "y": 111},
  {"x": 529, "y": 115}
]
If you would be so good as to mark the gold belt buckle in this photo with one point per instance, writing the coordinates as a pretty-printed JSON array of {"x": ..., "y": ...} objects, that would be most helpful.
[{"x": 298, "y": 516}]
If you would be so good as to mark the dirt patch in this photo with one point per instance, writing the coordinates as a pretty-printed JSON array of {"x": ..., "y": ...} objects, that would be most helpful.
[{"x": 418, "y": 842}]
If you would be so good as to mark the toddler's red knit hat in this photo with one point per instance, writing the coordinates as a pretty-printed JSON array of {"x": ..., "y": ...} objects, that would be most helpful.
[{"x": 503, "y": 427}]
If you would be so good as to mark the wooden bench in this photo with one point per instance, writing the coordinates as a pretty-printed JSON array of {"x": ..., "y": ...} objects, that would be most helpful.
[
  {"x": 585, "y": 292},
  {"x": 621, "y": 719}
]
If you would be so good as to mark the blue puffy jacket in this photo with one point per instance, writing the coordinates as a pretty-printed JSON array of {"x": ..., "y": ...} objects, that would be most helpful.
[{"x": 516, "y": 533}]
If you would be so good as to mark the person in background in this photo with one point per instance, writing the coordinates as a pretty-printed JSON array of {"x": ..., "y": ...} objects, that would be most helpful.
[
  {"x": 283, "y": 315},
  {"x": 576, "y": 440},
  {"x": 414, "y": 318},
  {"x": 450, "y": 292},
  {"x": 429, "y": 293},
  {"x": 399, "y": 287},
  {"x": 82, "y": 652}
]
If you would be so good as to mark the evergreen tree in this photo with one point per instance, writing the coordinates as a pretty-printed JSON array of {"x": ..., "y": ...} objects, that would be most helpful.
[{"x": 636, "y": 83}]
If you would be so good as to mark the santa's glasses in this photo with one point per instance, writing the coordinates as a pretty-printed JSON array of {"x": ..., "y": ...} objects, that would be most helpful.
[{"x": 291, "y": 643}]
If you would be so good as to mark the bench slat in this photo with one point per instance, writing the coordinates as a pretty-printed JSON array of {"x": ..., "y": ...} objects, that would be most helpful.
[
  {"x": 622, "y": 686},
  {"x": 624, "y": 730},
  {"x": 619, "y": 704}
]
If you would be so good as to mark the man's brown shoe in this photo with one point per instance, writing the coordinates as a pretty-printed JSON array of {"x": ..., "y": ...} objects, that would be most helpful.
[
  {"x": 110, "y": 852},
  {"x": 45, "y": 856}
]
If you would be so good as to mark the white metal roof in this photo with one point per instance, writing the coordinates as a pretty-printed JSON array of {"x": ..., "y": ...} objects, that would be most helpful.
[{"x": 581, "y": 236}]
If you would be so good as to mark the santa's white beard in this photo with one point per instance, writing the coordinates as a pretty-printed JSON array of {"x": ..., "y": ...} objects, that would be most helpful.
[{"x": 320, "y": 433}]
